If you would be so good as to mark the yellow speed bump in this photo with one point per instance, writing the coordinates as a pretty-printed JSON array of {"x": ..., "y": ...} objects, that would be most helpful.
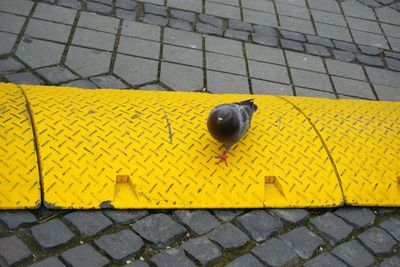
[
  {"x": 363, "y": 139},
  {"x": 19, "y": 173},
  {"x": 136, "y": 149}
]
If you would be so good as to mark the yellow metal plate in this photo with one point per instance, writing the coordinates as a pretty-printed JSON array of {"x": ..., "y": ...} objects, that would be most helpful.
[
  {"x": 363, "y": 139},
  {"x": 136, "y": 149},
  {"x": 19, "y": 173}
]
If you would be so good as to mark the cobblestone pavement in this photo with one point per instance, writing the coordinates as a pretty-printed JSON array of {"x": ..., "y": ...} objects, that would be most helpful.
[{"x": 322, "y": 48}]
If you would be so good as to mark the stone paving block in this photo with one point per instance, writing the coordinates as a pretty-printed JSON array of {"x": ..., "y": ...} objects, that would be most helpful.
[
  {"x": 292, "y": 45},
  {"x": 387, "y": 14},
  {"x": 358, "y": 217},
  {"x": 155, "y": 20},
  {"x": 237, "y": 35},
  {"x": 344, "y": 69},
  {"x": 212, "y": 20},
  {"x": 75, "y": 4},
  {"x": 304, "y": 61},
  {"x": 260, "y": 18},
  {"x": 153, "y": 87},
  {"x": 228, "y": 236},
  {"x": 192, "y": 5},
  {"x": 51, "y": 234},
  {"x": 265, "y": 54},
  {"x": 182, "y": 38},
  {"x": 208, "y": 29},
  {"x": 81, "y": 84},
  {"x": 344, "y": 56},
  {"x": 275, "y": 252},
  {"x": 125, "y": 14},
  {"x": 84, "y": 256},
  {"x": 159, "y": 229},
  {"x": 19, "y": 7},
  {"x": 172, "y": 257},
  {"x": 353, "y": 253},
  {"x": 202, "y": 249},
  {"x": 391, "y": 30},
  {"x": 180, "y": 77},
  {"x": 56, "y": 74},
  {"x": 221, "y": 10},
  {"x": 7, "y": 41},
  {"x": 331, "y": 227},
  {"x": 9, "y": 65},
  {"x": 370, "y": 60},
  {"x": 227, "y": 215},
  {"x": 16, "y": 219},
  {"x": 157, "y": 2},
  {"x": 258, "y": 224},
  {"x": 48, "y": 30},
  {"x": 364, "y": 25},
  {"x": 120, "y": 245},
  {"x": 320, "y": 41},
  {"x": 126, "y": 4},
  {"x": 371, "y": 39},
  {"x": 384, "y": 77},
  {"x": 219, "y": 82},
  {"x": 328, "y": 18},
  {"x": 135, "y": 70},
  {"x": 240, "y": 25},
  {"x": 180, "y": 24},
  {"x": 370, "y": 50},
  {"x": 125, "y": 216},
  {"x": 377, "y": 240},
  {"x": 108, "y": 81},
  {"x": 247, "y": 260},
  {"x": 292, "y": 2},
  {"x": 293, "y": 11},
  {"x": 225, "y": 63},
  {"x": 88, "y": 62},
  {"x": 99, "y": 8},
  {"x": 387, "y": 93},
  {"x": 353, "y": 8},
  {"x": 13, "y": 250},
  {"x": 199, "y": 221},
  {"x": 261, "y": 87},
  {"x": 325, "y": 5},
  {"x": 310, "y": 79},
  {"x": 290, "y": 215},
  {"x": 392, "y": 226},
  {"x": 332, "y": 31},
  {"x": 23, "y": 78},
  {"x": 264, "y": 40},
  {"x": 325, "y": 260},
  {"x": 295, "y": 36},
  {"x": 88, "y": 223},
  {"x": 139, "y": 47},
  {"x": 98, "y": 22},
  {"x": 270, "y": 72},
  {"x": 258, "y": 5},
  {"x": 391, "y": 262},
  {"x": 138, "y": 263},
  {"x": 394, "y": 43},
  {"x": 11, "y": 23},
  {"x": 223, "y": 46},
  {"x": 295, "y": 24},
  {"x": 48, "y": 262},
  {"x": 141, "y": 30},
  {"x": 183, "y": 15},
  {"x": 183, "y": 55},
  {"x": 303, "y": 241},
  {"x": 300, "y": 91},
  {"x": 393, "y": 64},
  {"x": 317, "y": 50},
  {"x": 265, "y": 31},
  {"x": 155, "y": 9},
  {"x": 345, "y": 46},
  {"x": 36, "y": 53},
  {"x": 55, "y": 13}
]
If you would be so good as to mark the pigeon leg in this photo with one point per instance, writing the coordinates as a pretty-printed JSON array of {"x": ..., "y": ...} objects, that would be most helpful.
[{"x": 224, "y": 156}]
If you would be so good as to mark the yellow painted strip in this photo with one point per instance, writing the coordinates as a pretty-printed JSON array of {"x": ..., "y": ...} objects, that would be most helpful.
[
  {"x": 19, "y": 174},
  {"x": 363, "y": 139},
  {"x": 136, "y": 149}
]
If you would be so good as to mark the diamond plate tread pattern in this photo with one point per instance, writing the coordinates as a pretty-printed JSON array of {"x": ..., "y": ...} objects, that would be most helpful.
[
  {"x": 19, "y": 172},
  {"x": 363, "y": 140},
  {"x": 159, "y": 140}
]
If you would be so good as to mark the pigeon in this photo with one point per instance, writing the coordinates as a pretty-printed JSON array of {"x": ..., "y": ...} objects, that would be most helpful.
[{"x": 228, "y": 123}]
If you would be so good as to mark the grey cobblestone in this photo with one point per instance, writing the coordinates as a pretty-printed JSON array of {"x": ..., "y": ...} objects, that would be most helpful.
[
  {"x": 325, "y": 260},
  {"x": 183, "y": 15},
  {"x": 292, "y": 45},
  {"x": 237, "y": 35},
  {"x": 202, "y": 249},
  {"x": 320, "y": 41},
  {"x": 156, "y": 20},
  {"x": 199, "y": 221},
  {"x": 317, "y": 50},
  {"x": 98, "y": 7},
  {"x": 49, "y": 262},
  {"x": 268, "y": 41},
  {"x": 208, "y": 29},
  {"x": 172, "y": 257},
  {"x": 51, "y": 234},
  {"x": 84, "y": 256},
  {"x": 17, "y": 218},
  {"x": 391, "y": 262},
  {"x": 126, "y": 4},
  {"x": 125, "y": 216},
  {"x": 358, "y": 217},
  {"x": 344, "y": 56},
  {"x": 247, "y": 260},
  {"x": 23, "y": 78},
  {"x": 56, "y": 74},
  {"x": 228, "y": 236},
  {"x": 290, "y": 215},
  {"x": 211, "y": 20},
  {"x": 303, "y": 241},
  {"x": 393, "y": 64},
  {"x": 240, "y": 25},
  {"x": 331, "y": 227},
  {"x": 180, "y": 24},
  {"x": 377, "y": 240},
  {"x": 353, "y": 253},
  {"x": 392, "y": 226},
  {"x": 13, "y": 250},
  {"x": 88, "y": 223},
  {"x": 370, "y": 60},
  {"x": 295, "y": 36},
  {"x": 227, "y": 215},
  {"x": 275, "y": 252}
]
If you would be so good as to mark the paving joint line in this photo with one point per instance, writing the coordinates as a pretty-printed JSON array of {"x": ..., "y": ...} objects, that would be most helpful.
[
  {"x": 21, "y": 34},
  {"x": 70, "y": 37},
  {"x": 116, "y": 44}
]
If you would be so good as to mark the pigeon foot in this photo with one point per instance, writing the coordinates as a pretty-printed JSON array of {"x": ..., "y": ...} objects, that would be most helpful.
[{"x": 222, "y": 158}]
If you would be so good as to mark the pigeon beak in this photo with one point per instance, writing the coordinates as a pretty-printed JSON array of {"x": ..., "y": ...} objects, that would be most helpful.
[{"x": 219, "y": 119}]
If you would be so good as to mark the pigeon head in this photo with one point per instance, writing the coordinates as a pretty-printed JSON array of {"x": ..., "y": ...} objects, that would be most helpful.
[{"x": 224, "y": 116}]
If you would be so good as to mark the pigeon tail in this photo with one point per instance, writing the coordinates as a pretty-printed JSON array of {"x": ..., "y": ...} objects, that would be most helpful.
[{"x": 249, "y": 103}]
